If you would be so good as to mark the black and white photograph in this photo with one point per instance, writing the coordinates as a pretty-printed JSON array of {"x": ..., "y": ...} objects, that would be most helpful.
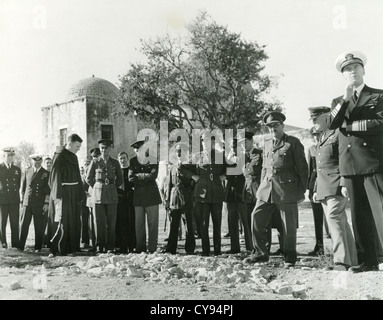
[{"x": 191, "y": 157}]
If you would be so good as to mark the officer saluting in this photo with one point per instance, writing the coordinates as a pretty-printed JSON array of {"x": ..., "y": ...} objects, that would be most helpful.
[
  {"x": 10, "y": 176},
  {"x": 105, "y": 176},
  {"x": 35, "y": 193},
  {"x": 359, "y": 116},
  {"x": 283, "y": 184}
]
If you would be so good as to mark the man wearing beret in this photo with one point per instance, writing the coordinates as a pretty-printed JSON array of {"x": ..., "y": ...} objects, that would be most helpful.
[
  {"x": 283, "y": 184},
  {"x": 67, "y": 192},
  {"x": 358, "y": 114},
  {"x": 35, "y": 193},
  {"x": 146, "y": 197},
  {"x": 105, "y": 176},
  {"x": 10, "y": 177}
]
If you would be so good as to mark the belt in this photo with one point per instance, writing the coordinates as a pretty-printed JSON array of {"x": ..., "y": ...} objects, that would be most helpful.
[
  {"x": 106, "y": 181},
  {"x": 69, "y": 183}
]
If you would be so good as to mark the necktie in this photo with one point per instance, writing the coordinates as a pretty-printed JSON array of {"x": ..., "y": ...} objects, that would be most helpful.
[{"x": 355, "y": 97}]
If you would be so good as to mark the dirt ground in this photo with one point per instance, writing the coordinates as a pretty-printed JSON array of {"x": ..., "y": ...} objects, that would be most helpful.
[{"x": 20, "y": 269}]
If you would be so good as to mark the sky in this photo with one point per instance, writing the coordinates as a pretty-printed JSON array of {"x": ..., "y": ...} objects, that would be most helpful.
[{"x": 48, "y": 45}]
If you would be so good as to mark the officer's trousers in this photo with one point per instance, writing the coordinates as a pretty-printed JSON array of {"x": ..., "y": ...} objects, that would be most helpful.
[
  {"x": 151, "y": 215},
  {"x": 261, "y": 220},
  {"x": 105, "y": 224},
  {"x": 215, "y": 209},
  {"x": 318, "y": 224},
  {"x": 366, "y": 202},
  {"x": 11, "y": 210},
  {"x": 343, "y": 243},
  {"x": 38, "y": 223},
  {"x": 238, "y": 210}
]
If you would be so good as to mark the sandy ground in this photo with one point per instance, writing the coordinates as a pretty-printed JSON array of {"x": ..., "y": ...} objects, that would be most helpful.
[{"x": 23, "y": 269}]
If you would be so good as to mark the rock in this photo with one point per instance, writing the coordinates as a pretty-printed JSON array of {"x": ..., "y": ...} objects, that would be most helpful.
[
  {"x": 97, "y": 271},
  {"x": 202, "y": 288},
  {"x": 93, "y": 262},
  {"x": 299, "y": 291},
  {"x": 14, "y": 285},
  {"x": 260, "y": 272},
  {"x": 116, "y": 259},
  {"x": 279, "y": 287},
  {"x": 133, "y": 272}
]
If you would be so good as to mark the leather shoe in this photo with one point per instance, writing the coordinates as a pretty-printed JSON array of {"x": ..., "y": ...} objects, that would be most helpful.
[
  {"x": 364, "y": 268},
  {"x": 316, "y": 252},
  {"x": 279, "y": 252},
  {"x": 255, "y": 259},
  {"x": 288, "y": 265},
  {"x": 233, "y": 251},
  {"x": 338, "y": 267}
]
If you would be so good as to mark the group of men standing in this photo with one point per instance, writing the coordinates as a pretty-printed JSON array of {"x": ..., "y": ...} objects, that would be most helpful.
[{"x": 109, "y": 202}]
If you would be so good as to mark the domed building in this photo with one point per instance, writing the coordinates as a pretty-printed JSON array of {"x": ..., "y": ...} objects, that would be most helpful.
[{"x": 87, "y": 110}]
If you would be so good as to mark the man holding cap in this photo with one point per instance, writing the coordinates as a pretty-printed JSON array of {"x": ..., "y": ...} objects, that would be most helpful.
[
  {"x": 105, "y": 176},
  {"x": 359, "y": 116},
  {"x": 283, "y": 184},
  {"x": 35, "y": 193},
  {"x": 10, "y": 177}
]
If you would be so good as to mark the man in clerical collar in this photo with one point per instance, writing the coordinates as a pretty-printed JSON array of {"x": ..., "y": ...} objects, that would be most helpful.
[
  {"x": 10, "y": 176},
  {"x": 105, "y": 176}
]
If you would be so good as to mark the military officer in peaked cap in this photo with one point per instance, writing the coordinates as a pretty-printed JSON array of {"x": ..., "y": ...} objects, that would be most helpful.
[
  {"x": 10, "y": 177},
  {"x": 146, "y": 199},
  {"x": 316, "y": 207},
  {"x": 105, "y": 176},
  {"x": 358, "y": 114},
  {"x": 35, "y": 193},
  {"x": 328, "y": 191},
  {"x": 283, "y": 184}
]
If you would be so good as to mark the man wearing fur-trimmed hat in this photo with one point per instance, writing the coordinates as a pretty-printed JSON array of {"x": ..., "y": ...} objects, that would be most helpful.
[
  {"x": 358, "y": 114},
  {"x": 283, "y": 184},
  {"x": 35, "y": 193},
  {"x": 10, "y": 176}
]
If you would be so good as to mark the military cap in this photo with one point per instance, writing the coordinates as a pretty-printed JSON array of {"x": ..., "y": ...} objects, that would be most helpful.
[
  {"x": 36, "y": 156},
  {"x": 317, "y": 111},
  {"x": 314, "y": 131},
  {"x": 349, "y": 57},
  {"x": 95, "y": 151},
  {"x": 9, "y": 150},
  {"x": 274, "y": 117},
  {"x": 137, "y": 144},
  {"x": 106, "y": 142}
]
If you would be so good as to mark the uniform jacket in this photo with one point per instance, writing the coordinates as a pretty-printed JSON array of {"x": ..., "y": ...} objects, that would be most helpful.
[
  {"x": 284, "y": 171},
  {"x": 252, "y": 174},
  {"x": 312, "y": 169},
  {"x": 35, "y": 190},
  {"x": 327, "y": 163},
  {"x": 9, "y": 184},
  {"x": 360, "y": 132},
  {"x": 144, "y": 176},
  {"x": 209, "y": 187},
  {"x": 104, "y": 178},
  {"x": 178, "y": 186}
]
